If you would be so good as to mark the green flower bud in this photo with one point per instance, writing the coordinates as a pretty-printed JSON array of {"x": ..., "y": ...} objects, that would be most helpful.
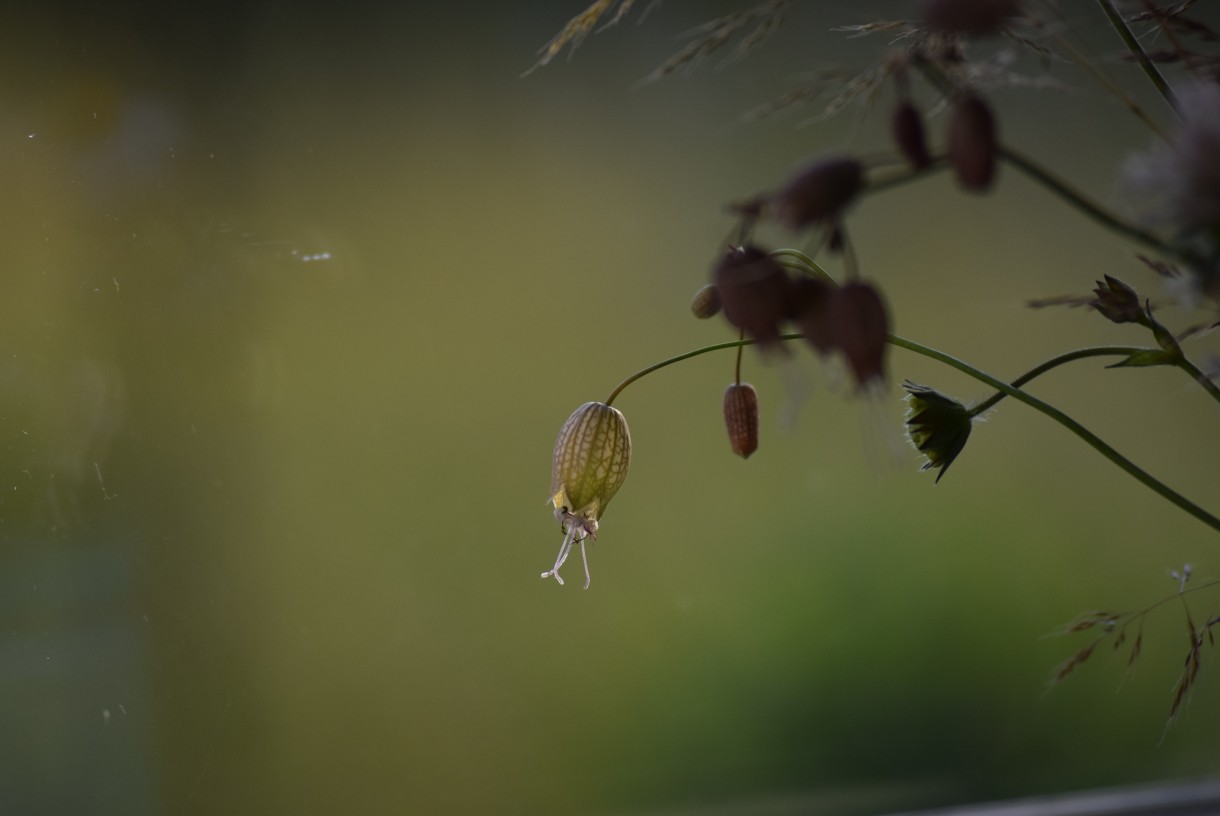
[
  {"x": 938, "y": 426},
  {"x": 592, "y": 454},
  {"x": 1118, "y": 302}
]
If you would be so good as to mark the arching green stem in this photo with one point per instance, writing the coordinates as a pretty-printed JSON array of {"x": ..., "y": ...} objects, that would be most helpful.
[
  {"x": 1087, "y": 436},
  {"x": 1055, "y": 362}
]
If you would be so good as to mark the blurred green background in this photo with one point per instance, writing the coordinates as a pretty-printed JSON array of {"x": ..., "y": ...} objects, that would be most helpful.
[{"x": 296, "y": 299}]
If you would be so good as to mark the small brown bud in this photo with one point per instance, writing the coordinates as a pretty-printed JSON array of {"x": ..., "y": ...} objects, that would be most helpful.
[
  {"x": 971, "y": 17},
  {"x": 860, "y": 327},
  {"x": 1118, "y": 302},
  {"x": 754, "y": 291},
  {"x": 741, "y": 418},
  {"x": 819, "y": 192},
  {"x": 973, "y": 143},
  {"x": 908, "y": 132},
  {"x": 706, "y": 302}
]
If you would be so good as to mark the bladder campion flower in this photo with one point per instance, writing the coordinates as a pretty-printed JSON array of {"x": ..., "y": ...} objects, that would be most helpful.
[
  {"x": 591, "y": 457},
  {"x": 937, "y": 425}
]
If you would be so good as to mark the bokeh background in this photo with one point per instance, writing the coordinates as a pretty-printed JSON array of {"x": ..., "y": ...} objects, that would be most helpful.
[{"x": 295, "y": 299}]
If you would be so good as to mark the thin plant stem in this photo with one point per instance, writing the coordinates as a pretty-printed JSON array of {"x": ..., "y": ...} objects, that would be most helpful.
[
  {"x": 897, "y": 179},
  {"x": 1059, "y": 187},
  {"x": 803, "y": 262},
  {"x": 1108, "y": 84},
  {"x": 1198, "y": 376},
  {"x": 740, "y": 350},
  {"x": 1137, "y": 51},
  {"x": 1055, "y": 362},
  {"x": 1094, "y": 211},
  {"x": 1087, "y": 436}
]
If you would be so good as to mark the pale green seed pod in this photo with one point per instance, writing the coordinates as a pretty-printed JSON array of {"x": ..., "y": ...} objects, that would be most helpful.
[{"x": 591, "y": 458}]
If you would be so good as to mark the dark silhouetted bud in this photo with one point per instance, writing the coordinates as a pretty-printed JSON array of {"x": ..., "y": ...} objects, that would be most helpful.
[
  {"x": 811, "y": 305},
  {"x": 972, "y": 17},
  {"x": 819, "y": 192},
  {"x": 973, "y": 143},
  {"x": 860, "y": 328},
  {"x": 755, "y": 291},
  {"x": 938, "y": 426},
  {"x": 907, "y": 125},
  {"x": 741, "y": 418},
  {"x": 1118, "y": 302},
  {"x": 706, "y": 302}
]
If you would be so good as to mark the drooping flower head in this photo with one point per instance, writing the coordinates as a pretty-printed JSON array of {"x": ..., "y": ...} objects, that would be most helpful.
[
  {"x": 937, "y": 425},
  {"x": 754, "y": 292},
  {"x": 860, "y": 325},
  {"x": 592, "y": 454}
]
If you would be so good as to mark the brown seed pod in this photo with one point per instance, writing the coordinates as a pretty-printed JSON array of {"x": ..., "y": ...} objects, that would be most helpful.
[
  {"x": 706, "y": 302},
  {"x": 819, "y": 192},
  {"x": 973, "y": 143},
  {"x": 907, "y": 129},
  {"x": 754, "y": 291},
  {"x": 860, "y": 326},
  {"x": 741, "y": 418},
  {"x": 974, "y": 18}
]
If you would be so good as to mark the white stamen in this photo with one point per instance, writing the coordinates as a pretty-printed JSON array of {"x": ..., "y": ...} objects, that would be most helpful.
[{"x": 585, "y": 558}]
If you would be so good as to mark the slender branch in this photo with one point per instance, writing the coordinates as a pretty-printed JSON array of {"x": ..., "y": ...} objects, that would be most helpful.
[
  {"x": 1198, "y": 376},
  {"x": 896, "y": 179},
  {"x": 1137, "y": 51},
  {"x": 1109, "y": 85},
  {"x": 1078, "y": 200},
  {"x": 1055, "y": 362},
  {"x": 1091, "y": 439},
  {"x": 618, "y": 389}
]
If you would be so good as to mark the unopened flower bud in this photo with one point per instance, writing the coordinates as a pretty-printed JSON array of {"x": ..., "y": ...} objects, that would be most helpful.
[
  {"x": 741, "y": 418},
  {"x": 972, "y": 17},
  {"x": 861, "y": 326},
  {"x": 973, "y": 144},
  {"x": 819, "y": 192},
  {"x": 938, "y": 426},
  {"x": 1118, "y": 302},
  {"x": 706, "y": 302},
  {"x": 908, "y": 131},
  {"x": 592, "y": 454},
  {"x": 754, "y": 291}
]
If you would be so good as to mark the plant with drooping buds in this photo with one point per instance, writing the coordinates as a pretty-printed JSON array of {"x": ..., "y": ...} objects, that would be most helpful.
[{"x": 773, "y": 296}]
